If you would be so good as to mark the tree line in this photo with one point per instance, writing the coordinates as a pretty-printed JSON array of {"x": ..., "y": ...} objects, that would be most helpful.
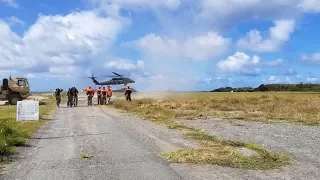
[{"x": 273, "y": 87}]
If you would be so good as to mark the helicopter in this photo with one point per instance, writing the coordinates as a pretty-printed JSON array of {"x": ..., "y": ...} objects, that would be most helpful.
[{"x": 116, "y": 80}]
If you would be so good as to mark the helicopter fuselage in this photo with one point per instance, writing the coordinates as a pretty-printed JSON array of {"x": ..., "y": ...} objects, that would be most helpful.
[{"x": 115, "y": 81}]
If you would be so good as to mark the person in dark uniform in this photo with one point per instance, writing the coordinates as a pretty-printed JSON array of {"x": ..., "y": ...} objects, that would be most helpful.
[
  {"x": 127, "y": 93},
  {"x": 75, "y": 96},
  {"x": 57, "y": 94},
  {"x": 70, "y": 94},
  {"x": 99, "y": 96}
]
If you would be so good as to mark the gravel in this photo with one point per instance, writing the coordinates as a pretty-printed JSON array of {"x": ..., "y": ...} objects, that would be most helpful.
[{"x": 301, "y": 141}]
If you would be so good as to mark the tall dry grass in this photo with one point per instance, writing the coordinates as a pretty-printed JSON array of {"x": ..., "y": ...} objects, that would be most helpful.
[{"x": 300, "y": 108}]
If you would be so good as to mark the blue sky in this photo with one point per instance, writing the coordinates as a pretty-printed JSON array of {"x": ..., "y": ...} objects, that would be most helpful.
[{"x": 182, "y": 45}]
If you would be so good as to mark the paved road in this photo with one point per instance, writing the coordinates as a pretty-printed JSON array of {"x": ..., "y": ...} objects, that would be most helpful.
[{"x": 55, "y": 151}]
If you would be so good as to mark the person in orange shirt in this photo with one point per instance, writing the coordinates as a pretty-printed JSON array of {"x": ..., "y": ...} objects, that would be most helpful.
[
  {"x": 90, "y": 94},
  {"x": 109, "y": 94},
  {"x": 104, "y": 96}
]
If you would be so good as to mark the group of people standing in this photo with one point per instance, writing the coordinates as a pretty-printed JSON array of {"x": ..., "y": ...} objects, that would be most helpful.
[
  {"x": 103, "y": 95},
  {"x": 72, "y": 97}
]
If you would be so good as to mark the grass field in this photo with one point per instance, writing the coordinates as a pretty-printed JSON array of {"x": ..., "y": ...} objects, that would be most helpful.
[
  {"x": 301, "y": 108},
  {"x": 13, "y": 133},
  {"x": 298, "y": 108}
]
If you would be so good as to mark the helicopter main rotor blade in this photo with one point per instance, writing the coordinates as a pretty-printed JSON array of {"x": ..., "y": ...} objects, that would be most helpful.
[
  {"x": 116, "y": 74},
  {"x": 108, "y": 76}
]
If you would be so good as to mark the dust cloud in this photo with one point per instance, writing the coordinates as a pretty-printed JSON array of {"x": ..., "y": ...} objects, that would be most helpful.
[{"x": 142, "y": 95}]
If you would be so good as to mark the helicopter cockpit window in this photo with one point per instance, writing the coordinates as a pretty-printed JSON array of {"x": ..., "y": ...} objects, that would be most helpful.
[{"x": 21, "y": 83}]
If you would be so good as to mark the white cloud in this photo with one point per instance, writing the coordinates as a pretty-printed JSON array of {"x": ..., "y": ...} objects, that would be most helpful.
[
  {"x": 299, "y": 76},
  {"x": 243, "y": 10},
  {"x": 201, "y": 47},
  {"x": 289, "y": 72},
  {"x": 14, "y": 20},
  {"x": 133, "y": 4},
  {"x": 240, "y": 63},
  {"x": 279, "y": 34},
  {"x": 124, "y": 64},
  {"x": 58, "y": 41},
  {"x": 11, "y": 3},
  {"x": 311, "y": 79},
  {"x": 122, "y": 8},
  {"x": 9, "y": 45},
  {"x": 314, "y": 58},
  {"x": 273, "y": 79},
  {"x": 288, "y": 80},
  {"x": 311, "y": 6},
  {"x": 274, "y": 63},
  {"x": 140, "y": 64}
]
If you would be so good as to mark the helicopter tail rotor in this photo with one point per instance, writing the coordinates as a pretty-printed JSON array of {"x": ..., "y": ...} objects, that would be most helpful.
[{"x": 92, "y": 76}]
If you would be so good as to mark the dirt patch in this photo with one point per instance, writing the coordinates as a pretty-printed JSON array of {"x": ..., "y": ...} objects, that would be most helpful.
[
  {"x": 36, "y": 98},
  {"x": 247, "y": 152}
]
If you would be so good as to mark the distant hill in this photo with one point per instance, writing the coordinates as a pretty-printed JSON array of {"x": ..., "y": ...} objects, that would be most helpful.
[
  {"x": 123, "y": 89},
  {"x": 229, "y": 89},
  {"x": 273, "y": 87}
]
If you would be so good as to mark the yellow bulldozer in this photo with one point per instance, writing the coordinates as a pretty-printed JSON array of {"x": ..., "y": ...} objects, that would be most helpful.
[{"x": 14, "y": 90}]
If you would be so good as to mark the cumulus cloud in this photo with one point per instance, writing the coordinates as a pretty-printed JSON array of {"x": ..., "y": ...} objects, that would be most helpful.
[
  {"x": 11, "y": 3},
  {"x": 278, "y": 35},
  {"x": 240, "y": 63},
  {"x": 124, "y": 64},
  {"x": 58, "y": 41},
  {"x": 201, "y": 47},
  {"x": 310, "y": 6},
  {"x": 245, "y": 64}
]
